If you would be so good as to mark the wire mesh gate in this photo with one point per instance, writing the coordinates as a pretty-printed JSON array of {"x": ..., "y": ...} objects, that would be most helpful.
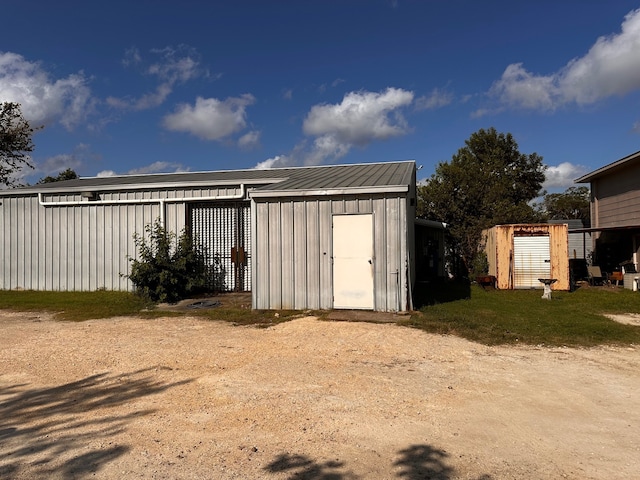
[{"x": 224, "y": 229}]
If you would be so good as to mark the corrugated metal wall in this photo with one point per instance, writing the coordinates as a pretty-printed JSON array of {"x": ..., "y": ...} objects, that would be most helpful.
[
  {"x": 83, "y": 246},
  {"x": 292, "y": 250}
]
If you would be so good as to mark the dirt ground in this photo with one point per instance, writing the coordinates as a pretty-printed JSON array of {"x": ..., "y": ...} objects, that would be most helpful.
[{"x": 185, "y": 398}]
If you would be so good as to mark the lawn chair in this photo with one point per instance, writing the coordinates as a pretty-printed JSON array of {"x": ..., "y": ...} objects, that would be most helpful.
[{"x": 595, "y": 276}]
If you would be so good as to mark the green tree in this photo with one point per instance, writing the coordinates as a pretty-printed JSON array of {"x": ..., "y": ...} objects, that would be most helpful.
[
  {"x": 574, "y": 203},
  {"x": 15, "y": 142},
  {"x": 488, "y": 182},
  {"x": 68, "y": 174}
]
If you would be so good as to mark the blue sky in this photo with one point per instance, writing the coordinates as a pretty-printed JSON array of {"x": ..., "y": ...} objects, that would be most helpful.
[{"x": 156, "y": 86}]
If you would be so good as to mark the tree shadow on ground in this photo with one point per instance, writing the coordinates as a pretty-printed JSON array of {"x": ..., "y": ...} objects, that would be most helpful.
[
  {"x": 305, "y": 468},
  {"x": 417, "y": 462},
  {"x": 67, "y": 431},
  {"x": 440, "y": 291},
  {"x": 423, "y": 461}
]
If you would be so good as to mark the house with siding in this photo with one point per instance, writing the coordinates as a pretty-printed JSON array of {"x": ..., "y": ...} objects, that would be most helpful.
[
  {"x": 339, "y": 236},
  {"x": 615, "y": 214}
]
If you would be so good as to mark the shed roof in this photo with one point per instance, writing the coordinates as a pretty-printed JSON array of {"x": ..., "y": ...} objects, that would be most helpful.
[
  {"x": 609, "y": 168},
  {"x": 326, "y": 179}
]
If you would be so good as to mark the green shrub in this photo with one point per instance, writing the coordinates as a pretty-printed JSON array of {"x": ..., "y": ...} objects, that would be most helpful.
[{"x": 169, "y": 269}]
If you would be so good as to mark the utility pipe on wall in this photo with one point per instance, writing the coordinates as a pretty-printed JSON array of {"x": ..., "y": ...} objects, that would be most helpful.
[{"x": 141, "y": 201}]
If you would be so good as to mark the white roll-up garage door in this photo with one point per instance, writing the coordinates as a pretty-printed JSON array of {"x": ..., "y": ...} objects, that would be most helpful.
[{"x": 531, "y": 261}]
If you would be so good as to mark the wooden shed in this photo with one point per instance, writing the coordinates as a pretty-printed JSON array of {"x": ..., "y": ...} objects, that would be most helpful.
[{"x": 520, "y": 254}]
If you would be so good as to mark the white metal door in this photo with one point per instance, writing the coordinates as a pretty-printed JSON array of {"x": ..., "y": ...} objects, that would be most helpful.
[
  {"x": 531, "y": 261},
  {"x": 353, "y": 261}
]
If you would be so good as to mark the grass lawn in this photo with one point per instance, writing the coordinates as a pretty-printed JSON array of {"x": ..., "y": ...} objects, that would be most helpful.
[
  {"x": 496, "y": 317},
  {"x": 490, "y": 317}
]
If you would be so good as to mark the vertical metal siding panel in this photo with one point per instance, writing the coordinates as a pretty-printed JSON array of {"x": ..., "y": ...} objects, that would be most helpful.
[
  {"x": 275, "y": 257},
  {"x": 48, "y": 248},
  {"x": 101, "y": 258},
  {"x": 123, "y": 239},
  {"x": 288, "y": 280},
  {"x": 314, "y": 257},
  {"x": 42, "y": 246},
  {"x": 31, "y": 253},
  {"x": 76, "y": 268},
  {"x": 351, "y": 205},
  {"x": 65, "y": 256},
  {"x": 4, "y": 284},
  {"x": 109, "y": 264},
  {"x": 364, "y": 205},
  {"x": 5, "y": 243},
  {"x": 130, "y": 230},
  {"x": 405, "y": 230},
  {"x": 11, "y": 254},
  {"x": 325, "y": 208},
  {"x": 19, "y": 244},
  {"x": 394, "y": 262},
  {"x": 263, "y": 262},
  {"x": 301, "y": 260},
  {"x": 74, "y": 246},
  {"x": 55, "y": 257},
  {"x": 337, "y": 206},
  {"x": 14, "y": 261},
  {"x": 27, "y": 257},
  {"x": 381, "y": 276},
  {"x": 92, "y": 259},
  {"x": 254, "y": 250}
]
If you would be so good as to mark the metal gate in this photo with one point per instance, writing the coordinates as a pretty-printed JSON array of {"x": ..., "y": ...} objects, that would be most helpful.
[
  {"x": 224, "y": 230},
  {"x": 531, "y": 261}
]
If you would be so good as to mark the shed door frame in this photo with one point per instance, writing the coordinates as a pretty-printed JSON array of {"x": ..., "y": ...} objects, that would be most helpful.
[{"x": 353, "y": 261}]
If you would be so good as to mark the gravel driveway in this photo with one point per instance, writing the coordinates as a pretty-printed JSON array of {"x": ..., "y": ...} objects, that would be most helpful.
[{"x": 185, "y": 398}]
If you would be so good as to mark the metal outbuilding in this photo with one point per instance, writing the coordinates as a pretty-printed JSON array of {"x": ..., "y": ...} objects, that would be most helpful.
[{"x": 339, "y": 236}]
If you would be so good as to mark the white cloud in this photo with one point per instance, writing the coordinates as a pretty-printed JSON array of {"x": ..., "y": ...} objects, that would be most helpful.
[
  {"x": 361, "y": 117},
  {"x": 277, "y": 161},
  {"x": 44, "y": 100},
  {"x": 249, "y": 140},
  {"x": 174, "y": 66},
  {"x": 610, "y": 67},
  {"x": 106, "y": 173},
  {"x": 563, "y": 175},
  {"x": 210, "y": 118},
  {"x": 436, "y": 99}
]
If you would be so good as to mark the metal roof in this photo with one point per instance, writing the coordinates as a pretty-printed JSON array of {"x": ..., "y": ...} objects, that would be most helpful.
[
  {"x": 608, "y": 168},
  {"x": 326, "y": 179}
]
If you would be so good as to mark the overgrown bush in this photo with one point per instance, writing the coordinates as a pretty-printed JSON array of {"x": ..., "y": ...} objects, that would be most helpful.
[
  {"x": 169, "y": 269},
  {"x": 480, "y": 265}
]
